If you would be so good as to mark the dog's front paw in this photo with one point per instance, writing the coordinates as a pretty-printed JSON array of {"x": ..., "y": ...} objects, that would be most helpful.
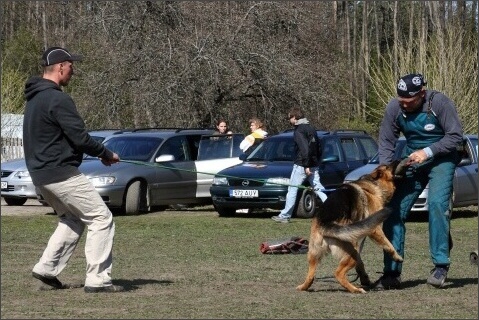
[{"x": 361, "y": 290}]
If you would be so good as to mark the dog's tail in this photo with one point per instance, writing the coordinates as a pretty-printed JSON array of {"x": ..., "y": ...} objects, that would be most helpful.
[{"x": 356, "y": 230}]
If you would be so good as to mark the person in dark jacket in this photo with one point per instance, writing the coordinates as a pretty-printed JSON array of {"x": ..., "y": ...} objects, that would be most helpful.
[
  {"x": 429, "y": 121},
  {"x": 55, "y": 139},
  {"x": 308, "y": 155}
]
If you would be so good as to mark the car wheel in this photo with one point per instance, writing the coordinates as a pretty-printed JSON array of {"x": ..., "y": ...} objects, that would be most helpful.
[
  {"x": 133, "y": 199},
  {"x": 15, "y": 201},
  {"x": 225, "y": 212},
  {"x": 307, "y": 204}
]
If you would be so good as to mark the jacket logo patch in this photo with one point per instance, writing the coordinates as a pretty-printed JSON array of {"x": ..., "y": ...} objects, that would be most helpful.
[{"x": 429, "y": 127}]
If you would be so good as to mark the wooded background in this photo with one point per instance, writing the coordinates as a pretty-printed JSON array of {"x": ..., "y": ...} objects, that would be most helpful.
[{"x": 188, "y": 63}]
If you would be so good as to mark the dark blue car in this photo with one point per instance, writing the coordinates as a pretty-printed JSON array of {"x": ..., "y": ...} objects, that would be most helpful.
[{"x": 262, "y": 180}]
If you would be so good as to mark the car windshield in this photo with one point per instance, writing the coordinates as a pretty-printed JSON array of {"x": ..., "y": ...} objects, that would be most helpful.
[
  {"x": 398, "y": 154},
  {"x": 276, "y": 149},
  {"x": 134, "y": 148}
]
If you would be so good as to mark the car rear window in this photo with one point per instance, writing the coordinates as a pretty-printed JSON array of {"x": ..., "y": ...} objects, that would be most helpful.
[
  {"x": 399, "y": 153},
  {"x": 370, "y": 146}
]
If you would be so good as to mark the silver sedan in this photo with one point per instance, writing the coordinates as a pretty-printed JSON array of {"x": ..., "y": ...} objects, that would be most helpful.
[{"x": 465, "y": 178}]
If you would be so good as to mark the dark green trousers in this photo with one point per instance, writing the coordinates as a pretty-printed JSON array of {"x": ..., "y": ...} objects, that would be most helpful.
[{"x": 439, "y": 173}]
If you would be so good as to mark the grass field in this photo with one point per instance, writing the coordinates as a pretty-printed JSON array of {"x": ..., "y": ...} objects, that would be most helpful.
[{"x": 193, "y": 264}]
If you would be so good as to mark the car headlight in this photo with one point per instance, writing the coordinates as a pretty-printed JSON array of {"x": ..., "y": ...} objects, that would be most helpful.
[
  {"x": 22, "y": 174},
  {"x": 220, "y": 181},
  {"x": 276, "y": 181},
  {"x": 102, "y": 181}
]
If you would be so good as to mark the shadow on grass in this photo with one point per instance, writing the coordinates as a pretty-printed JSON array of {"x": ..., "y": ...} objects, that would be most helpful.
[
  {"x": 256, "y": 214},
  {"x": 450, "y": 283},
  {"x": 135, "y": 284}
]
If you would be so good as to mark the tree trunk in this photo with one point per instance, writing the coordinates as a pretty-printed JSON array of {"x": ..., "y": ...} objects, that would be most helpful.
[{"x": 396, "y": 40}]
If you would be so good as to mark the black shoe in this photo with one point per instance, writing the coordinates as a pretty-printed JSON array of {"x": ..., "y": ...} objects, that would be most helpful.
[
  {"x": 387, "y": 282},
  {"x": 50, "y": 281},
  {"x": 111, "y": 288}
]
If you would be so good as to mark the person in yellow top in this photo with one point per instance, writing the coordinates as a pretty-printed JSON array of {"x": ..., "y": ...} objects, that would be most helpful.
[{"x": 258, "y": 134}]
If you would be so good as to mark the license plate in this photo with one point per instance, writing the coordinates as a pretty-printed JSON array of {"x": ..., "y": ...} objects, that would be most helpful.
[
  {"x": 4, "y": 185},
  {"x": 244, "y": 193}
]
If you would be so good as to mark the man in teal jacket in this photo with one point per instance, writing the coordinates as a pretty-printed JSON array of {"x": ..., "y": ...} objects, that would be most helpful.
[{"x": 429, "y": 121}]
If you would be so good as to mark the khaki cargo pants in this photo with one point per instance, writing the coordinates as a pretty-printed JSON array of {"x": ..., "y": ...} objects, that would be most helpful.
[{"x": 78, "y": 204}]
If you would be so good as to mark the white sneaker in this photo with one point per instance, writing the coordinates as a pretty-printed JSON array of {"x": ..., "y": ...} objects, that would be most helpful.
[{"x": 279, "y": 219}]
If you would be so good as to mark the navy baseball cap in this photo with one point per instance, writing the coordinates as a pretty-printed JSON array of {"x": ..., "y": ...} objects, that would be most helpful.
[
  {"x": 409, "y": 85},
  {"x": 54, "y": 55}
]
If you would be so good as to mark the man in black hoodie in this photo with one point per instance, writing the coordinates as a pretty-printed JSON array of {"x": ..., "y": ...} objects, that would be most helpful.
[
  {"x": 55, "y": 139},
  {"x": 306, "y": 165}
]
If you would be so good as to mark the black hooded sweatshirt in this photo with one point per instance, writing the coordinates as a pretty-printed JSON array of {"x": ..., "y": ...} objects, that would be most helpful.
[
  {"x": 54, "y": 134},
  {"x": 307, "y": 144}
]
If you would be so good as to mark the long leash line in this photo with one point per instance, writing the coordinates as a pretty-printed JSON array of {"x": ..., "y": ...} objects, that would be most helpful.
[
  {"x": 228, "y": 176},
  {"x": 148, "y": 164}
]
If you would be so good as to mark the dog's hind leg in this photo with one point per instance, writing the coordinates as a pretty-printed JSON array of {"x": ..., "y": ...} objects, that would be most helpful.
[
  {"x": 316, "y": 249},
  {"x": 350, "y": 259},
  {"x": 380, "y": 238}
]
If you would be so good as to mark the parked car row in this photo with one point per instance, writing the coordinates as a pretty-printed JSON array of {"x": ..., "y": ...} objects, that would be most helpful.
[
  {"x": 162, "y": 167},
  {"x": 17, "y": 186},
  {"x": 465, "y": 188}
]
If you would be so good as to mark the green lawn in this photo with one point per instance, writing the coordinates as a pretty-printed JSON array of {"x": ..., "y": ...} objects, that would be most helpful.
[{"x": 193, "y": 264}]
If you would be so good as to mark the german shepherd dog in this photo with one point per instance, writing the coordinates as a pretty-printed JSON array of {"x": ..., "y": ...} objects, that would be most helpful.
[{"x": 350, "y": 213}]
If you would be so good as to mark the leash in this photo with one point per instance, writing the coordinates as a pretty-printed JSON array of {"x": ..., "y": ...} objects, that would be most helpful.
[
  {"x": 141, "y": 163},
  {"x": 149, "y": 164}
]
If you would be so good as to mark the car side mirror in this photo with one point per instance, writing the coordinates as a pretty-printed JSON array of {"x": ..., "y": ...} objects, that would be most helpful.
[{"x": 165, "y": 158}]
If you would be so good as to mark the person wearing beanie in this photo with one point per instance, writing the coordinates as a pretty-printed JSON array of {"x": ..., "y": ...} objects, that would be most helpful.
[{"x": 429, "y": 121}]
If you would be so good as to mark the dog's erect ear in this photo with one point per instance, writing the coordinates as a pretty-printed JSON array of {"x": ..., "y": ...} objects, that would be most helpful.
[
  {"x": 378, "y": 172},
  {"x": 401, "y": 168}
]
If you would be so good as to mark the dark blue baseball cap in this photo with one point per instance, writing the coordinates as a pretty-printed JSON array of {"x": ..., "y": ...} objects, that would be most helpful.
[{"x": 410, "y": 85}]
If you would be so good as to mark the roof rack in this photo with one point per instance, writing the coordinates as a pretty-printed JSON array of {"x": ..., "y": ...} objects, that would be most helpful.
[
  {"x": 349, "y": 131},
  {"x": 168, "y": 128},
  {"x": 116, "y": 131},
  {"x": 201, "y": 129},
  {"x": 105, "y": 129}
]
